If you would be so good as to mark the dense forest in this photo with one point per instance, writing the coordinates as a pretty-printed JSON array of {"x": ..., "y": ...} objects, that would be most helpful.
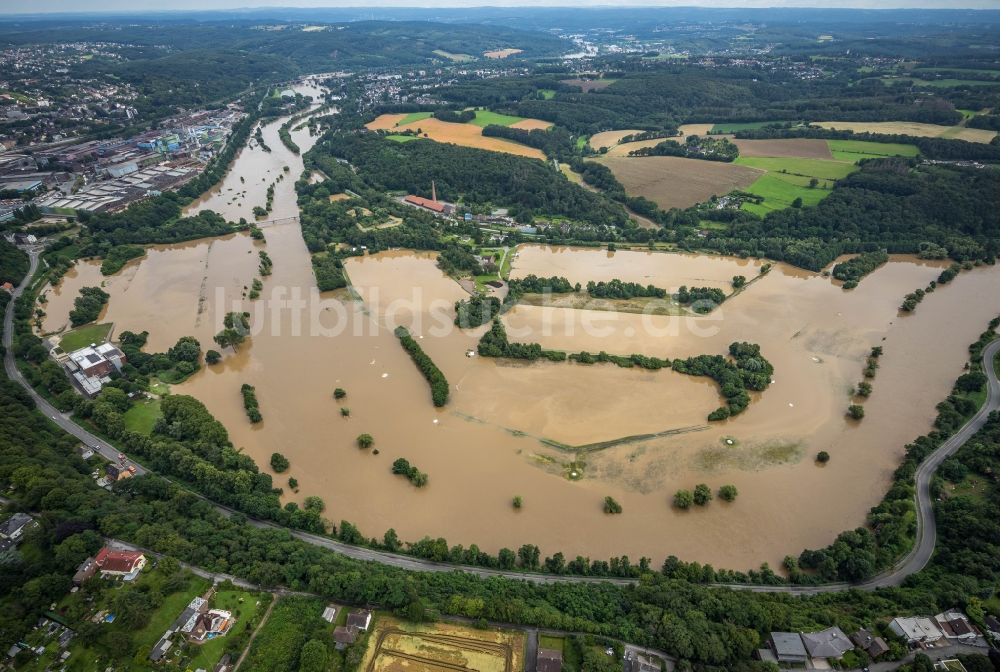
[
  {"x": 889, "y": 204},
  {"x": 654, "y": 97},
  {"x": 528, "y": 187}
]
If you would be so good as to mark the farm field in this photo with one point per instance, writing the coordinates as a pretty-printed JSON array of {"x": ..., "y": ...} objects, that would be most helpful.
[
  {"x": 456, "y": 58},
  {"x": 856, "y": 150},
  {"x": 695, "y": 129},
  {"x": 502, "y": 53},
  {"x": 395, "y": 646},
  {"x": 487, "y": 118},
  {"x": 467, "y": 135},
  {"x": 402, "y": 138},
  {"x": 675, "y": 182},
  {"x": 789, "y": 178},
  {"x": 609, "y": 138},
  {"x": 794, "y": 148},
  {"x": 732, "y": 127},
  {"x": 912, "y": 128}
]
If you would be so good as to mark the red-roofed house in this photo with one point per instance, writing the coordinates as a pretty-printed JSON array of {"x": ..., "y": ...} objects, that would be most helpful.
[{"x": 126, "y": 564}]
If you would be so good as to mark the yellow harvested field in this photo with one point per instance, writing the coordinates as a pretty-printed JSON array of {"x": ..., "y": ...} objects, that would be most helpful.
[
  {"x": 501, "y": 53},
  {"x": 339, "y": 197},
  {"x": 395, "y": 646},
  {"x": 385, "y": 122},
  {"x": 912, "y": 128},
  {"x": 802, "y": 148},
  {"x": 466, "y": 135},
  {"x": 609, "y": 138},
  {"x": 695, "y": 129},
  {"x": 675, "y": 182},
  {"x": 624, "y": 148},
  {"x": 532, "y": 125}
]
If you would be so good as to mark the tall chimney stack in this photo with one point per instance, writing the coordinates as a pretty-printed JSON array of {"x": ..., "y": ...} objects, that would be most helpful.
[{"x": 434, "y": 193}]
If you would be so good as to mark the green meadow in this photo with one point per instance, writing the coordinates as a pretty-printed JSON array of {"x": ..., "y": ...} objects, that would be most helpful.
[
  {"x": 856, "y": 150},
  {"x": 486, "y": 118}
]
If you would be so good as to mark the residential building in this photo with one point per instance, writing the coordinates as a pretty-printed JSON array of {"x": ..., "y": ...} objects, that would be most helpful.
[
  {"x": 124, "y": 564},
  {"x": 916, "y": 630},
  {"x": 84, "y": 571},
  {"x": 549, "y": 660},
  {"x": 955, "y": 626},
  {"x": 829, "y": 643},
  {"x": 344, "y": 636},
  {"x": 992, "y": 626},
  {"x": 869, "y": 643},
  {"x": 788, "y": 647},
  {"x": 359, "y": 619},
  {"x": 14, "y": 527}
]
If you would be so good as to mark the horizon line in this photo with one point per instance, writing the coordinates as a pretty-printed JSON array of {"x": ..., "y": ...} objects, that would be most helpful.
[{"x": 844, "y": 5}]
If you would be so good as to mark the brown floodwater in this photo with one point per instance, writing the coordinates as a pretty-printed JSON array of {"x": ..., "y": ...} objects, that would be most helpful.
[
  {"x": 666, "y": 270},
  {"x": 506, "y": 429}
]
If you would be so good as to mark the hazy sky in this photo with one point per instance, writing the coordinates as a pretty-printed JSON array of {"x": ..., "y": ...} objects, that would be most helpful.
[{"x": 35, "y": 6}]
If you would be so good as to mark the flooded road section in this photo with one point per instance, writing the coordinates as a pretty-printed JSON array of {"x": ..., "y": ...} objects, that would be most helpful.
[{"x": 486, "y": 445}]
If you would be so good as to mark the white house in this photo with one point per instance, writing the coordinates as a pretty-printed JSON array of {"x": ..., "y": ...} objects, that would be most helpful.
[{"x": 916, "y": 629}]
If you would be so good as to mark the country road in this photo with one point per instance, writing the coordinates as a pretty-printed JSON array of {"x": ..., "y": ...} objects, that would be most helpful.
[{"x": 911, "y": 563}]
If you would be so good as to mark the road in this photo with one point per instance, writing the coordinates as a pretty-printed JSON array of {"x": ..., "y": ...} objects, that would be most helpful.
[
  {"x": 913, "y": 562},
  {"x": 62, "y": 419}
]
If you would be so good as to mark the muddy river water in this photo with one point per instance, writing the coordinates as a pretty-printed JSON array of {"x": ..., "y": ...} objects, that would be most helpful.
[{"x": 508, "y": 427}]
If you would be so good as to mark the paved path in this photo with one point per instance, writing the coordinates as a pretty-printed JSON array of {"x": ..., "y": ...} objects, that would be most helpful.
[{"x": 913, "y": 562}]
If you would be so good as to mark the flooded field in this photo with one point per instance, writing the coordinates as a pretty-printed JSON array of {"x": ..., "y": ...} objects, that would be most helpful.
[
  {"x": 669, "y": 271},
  {"x": 525, "y": 429}
]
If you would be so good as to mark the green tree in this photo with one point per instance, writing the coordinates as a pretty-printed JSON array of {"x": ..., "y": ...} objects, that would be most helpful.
[
  {"x": 702, "y": 494},
  {"x": 313, "y": 657},
  {"x": 365, "y": 441},
  {"x": 822, "y": 457},
  {"x": 856, "y": 411},
  {"x": 279, "y": 462},
  {"x": 611, "y": 506},
  {"x": 518, "y": 502},
  {"x": 339, "y": 393},
  {"x": 213, "y": 357},
  {"x": 683, "y": 499},
  {"x": 728, "y": 493}
]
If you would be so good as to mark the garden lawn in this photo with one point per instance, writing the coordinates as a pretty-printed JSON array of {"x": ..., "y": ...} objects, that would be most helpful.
[
  {"x": 209, "y": 653},
  {"x": 141, "y": 417},
  {"x": 401, "y": 138},
  {"x": 486, "y": 118},
  {"x": 83, "y": 336},
  {"x": 170, "y": 608}
]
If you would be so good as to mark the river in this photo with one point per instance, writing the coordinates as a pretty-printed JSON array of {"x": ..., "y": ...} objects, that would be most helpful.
[{"x": 486, "y": 445}]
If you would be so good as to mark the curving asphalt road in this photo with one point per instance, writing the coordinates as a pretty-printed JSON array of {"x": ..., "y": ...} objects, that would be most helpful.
[{"x": 911, "y": 563}]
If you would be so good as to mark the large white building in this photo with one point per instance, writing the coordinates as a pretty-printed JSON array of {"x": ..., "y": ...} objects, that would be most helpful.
[
  {"x": 91, "y": 367},
  {"x": 916, "y": 629}
]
